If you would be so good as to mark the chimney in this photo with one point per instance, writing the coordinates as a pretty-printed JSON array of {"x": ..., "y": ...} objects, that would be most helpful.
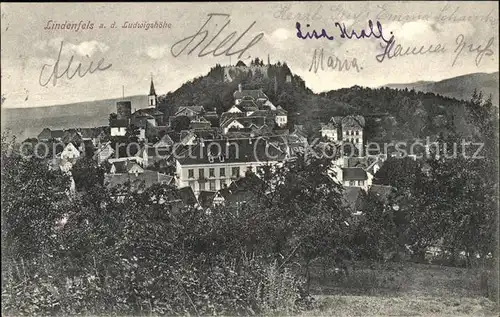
[{"x": 239, "y": 87}]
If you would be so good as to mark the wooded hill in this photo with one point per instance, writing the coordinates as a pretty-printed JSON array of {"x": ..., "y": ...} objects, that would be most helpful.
[{"x": 391, "y": 114}]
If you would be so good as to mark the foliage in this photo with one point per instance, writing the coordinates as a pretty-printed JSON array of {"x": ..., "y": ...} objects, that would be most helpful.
[
  {"x": 116, "y": 251},
  {"x": 31, "y": 204},
  {"x": 87, "y": 174},
  {"x": 180, "y": 123}
]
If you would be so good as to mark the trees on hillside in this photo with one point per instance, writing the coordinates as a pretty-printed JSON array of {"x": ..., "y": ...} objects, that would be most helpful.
[
  {"x": 33, "y": 199},
  {"x": 180, "y": 123}
]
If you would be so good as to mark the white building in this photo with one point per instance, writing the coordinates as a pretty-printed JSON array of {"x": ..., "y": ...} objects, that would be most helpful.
[
  {"x": 70, "y": 152},
  {"x": 281, "y": 117},
  {"x": 118, "y": 127},
  {"x": 212, "y": 165}
]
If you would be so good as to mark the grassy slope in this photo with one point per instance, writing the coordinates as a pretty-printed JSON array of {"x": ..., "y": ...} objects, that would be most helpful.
[{"x": 403, "y": 290}]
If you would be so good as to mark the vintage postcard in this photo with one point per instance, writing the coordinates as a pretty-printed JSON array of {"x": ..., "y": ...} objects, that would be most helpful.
[{"x": 250, "y": 158}]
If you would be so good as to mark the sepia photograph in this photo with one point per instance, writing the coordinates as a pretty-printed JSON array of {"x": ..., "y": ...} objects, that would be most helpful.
[{"x": 286, "y": 158}]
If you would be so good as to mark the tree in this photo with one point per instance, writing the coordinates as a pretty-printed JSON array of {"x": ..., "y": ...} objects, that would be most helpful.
[
  {"x": 300, "y": 212},
  {"x": 132, "y": 133},
  {"x": 180, "y": 123},
  {"x": 87, "y": 174},
  {"x": 112, "y": 116},
  {"x": 33, "y": 201},
  {"x": 399, "y": 172}
]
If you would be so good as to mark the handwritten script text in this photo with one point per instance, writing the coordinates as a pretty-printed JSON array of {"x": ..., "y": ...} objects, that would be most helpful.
[{"x": 54, "y": 75}]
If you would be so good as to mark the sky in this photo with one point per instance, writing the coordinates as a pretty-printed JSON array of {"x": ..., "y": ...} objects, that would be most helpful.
[{"x": 464, "y": 29}]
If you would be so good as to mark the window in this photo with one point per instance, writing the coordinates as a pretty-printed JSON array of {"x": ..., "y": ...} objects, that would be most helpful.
[
  {"x": 222, "y": 172},
  {"x": 249, "y": 169},
  {"x": 211, "y": 172},
  {"x": 222, "y": 183},
  {"x": 357, "y": 140},
  {"x": 361, "y": 183},
  {"x": 357, "y": 132},
  {"x": 352, "y": 183},
  {"x": 191, "y": 173},
  {"x": 202, "y": 186},
  {"x": 211, "y": 185},
  {"x": 201, "y": 173},
  {"x": 235, "y": 172}
]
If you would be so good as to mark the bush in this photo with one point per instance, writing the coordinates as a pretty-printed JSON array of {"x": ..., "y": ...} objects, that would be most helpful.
[{"x": 129, "y": 287}]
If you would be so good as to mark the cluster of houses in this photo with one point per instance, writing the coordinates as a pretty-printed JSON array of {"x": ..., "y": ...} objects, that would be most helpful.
[{"x": 213, "y": 159}]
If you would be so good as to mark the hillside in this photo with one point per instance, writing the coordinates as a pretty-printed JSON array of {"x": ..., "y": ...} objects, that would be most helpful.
[
  {"x": 392, "y": 114},
  {"x": 460, "y": 87},
  {"x": 28, "y": 122}
]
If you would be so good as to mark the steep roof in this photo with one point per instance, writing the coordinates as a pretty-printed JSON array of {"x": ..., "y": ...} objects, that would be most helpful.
[
  {"x": 214, "y": 120},
  {"x": 206, "y": 198},
  {"x": 357, "y": 162},
  {"x": 118, "y": 123},
  {"x": 353, "y": 122},
  {"x": 146, "y": 179},
  {"x": 200, "y": 124},
  {"x": 354, "y": 173},
  {"x": 229, "y": 115},
  {"x": 45, "y": 134},
  {"x": 90, "y": 133},
  {"x": 247, "y": 103},
  {"x": 264, "y": 113},
  {"x": 231, "y": 151},
  {"x": 280, "y": 111},
  {"x": 336, "y": 121},
  {"x": 154, "y": 151},
  {"x": 71, "y": 135},
  {"x": 187, "y": 196},
  {"x": 165, "y": 141},
  {"x": 152, "y": 89},
  {"x": 247, "y": 122},
  {"x": 151, "y": 111},
  {"x": 123, "y": 166},
  {"x": 57, "y": 133},
  {"x": 253, "y": 94},
  {"x": 195, "y": 109}
]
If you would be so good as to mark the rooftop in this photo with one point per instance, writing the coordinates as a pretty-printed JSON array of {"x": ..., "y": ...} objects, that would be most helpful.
[
  {"x": 354, "y": 173},
  {"x": 231, "y": 151}
]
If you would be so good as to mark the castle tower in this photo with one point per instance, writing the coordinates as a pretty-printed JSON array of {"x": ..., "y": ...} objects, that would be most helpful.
[
  {"x": 152, "y": 98},
  {"x": 123, "y": 109}
]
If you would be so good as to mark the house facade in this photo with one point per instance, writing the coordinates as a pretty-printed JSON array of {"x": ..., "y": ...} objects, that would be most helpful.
[
  {"x": 70, "y": 152},
  {"x": 352, "y": 131},
  {"x": 213, "y": 165},
  {"x": 118, "y": 127}
]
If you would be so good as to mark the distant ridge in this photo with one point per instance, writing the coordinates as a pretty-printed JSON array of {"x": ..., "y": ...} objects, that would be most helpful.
[
  {"x": 460, "y": 87},
  {"x": 29, "y": 122}
]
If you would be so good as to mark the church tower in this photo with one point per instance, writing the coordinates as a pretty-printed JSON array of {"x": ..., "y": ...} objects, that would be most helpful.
[{"x": 152, "y": 99}]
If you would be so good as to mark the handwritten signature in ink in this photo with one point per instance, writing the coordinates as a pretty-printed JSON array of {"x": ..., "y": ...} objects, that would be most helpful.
[
  {"x": 54, "y": 75},
  {"x": 479, "y": 49},
  {"x": 393, "y": 50},
  {"x": 345, "y": 33},
  {"x": 219, "y": 49}
]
